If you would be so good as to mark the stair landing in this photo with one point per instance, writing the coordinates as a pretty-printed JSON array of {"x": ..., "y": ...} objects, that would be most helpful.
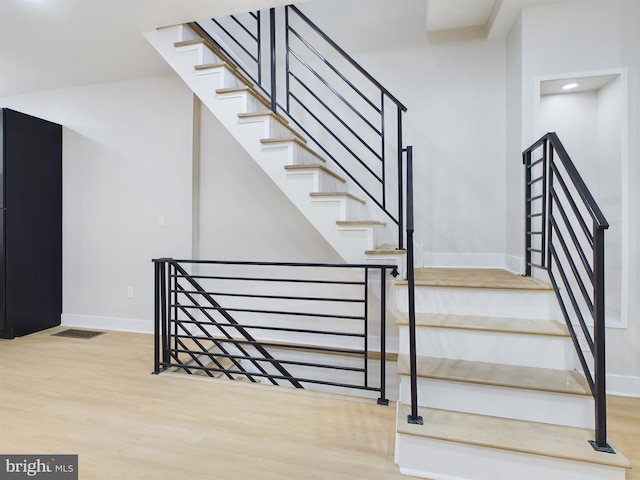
[{"x": 476, "y": 278}]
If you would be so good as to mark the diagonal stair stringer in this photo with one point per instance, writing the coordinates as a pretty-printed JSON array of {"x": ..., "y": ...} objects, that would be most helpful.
[{"x": 330, "y": 201}]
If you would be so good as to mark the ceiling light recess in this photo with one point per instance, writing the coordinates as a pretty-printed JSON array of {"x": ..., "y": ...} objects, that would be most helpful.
[{"x": 570, "y": 86}]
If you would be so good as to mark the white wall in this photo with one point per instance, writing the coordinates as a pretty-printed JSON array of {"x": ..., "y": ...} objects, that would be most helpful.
[
  {"x": 589, "y": 124},
  {"x": 574, "y": 117},
  {"x": 127, "y": 162},
  {"x": 456, "y": 121},
  {"x": 127, "y": 159},
  {"x": 243, "y": 214},
  {"x": 573, "y": 37},
  {"x": 514, "y": 171}
]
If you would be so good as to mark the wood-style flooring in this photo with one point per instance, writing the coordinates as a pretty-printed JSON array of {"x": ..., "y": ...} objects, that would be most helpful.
[{"x": 96, "y": 398}]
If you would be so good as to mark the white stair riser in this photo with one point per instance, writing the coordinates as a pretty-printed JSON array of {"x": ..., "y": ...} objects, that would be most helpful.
[
  {"x": 246, "y": 102},
  {"x": 349, "y": 208},
  {"x": 317, "y": 181},
  {"x": 204, "y": 56},
  {"x": 182, "y": 33},
  {"x": 532, "y": 304},
  {"x": 494, "y": 347},
  {"x": 496, "y": 401},
  {"x": 297, "y": 154},
  {"x": 268, "y": 127},
  {"x": 442, "y": 460}
]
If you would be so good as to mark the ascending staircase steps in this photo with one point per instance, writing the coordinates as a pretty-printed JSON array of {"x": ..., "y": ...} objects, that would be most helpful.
[
  {"x": 334, "y": 205},
  {"x": 454, "y": 445},
  {"x": 498, "y": 388}
]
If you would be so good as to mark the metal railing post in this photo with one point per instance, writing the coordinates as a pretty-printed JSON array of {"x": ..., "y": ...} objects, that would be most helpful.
[
  {"x": 160, "y": 339},
  {"x": 272, "y": 43},
  {"x": 526, "y": 159},
  {"x": 156, "y": 314},
  {"x": 383, "y": 400},
  {"x": 164, "y": 308},
  {"x": 600, "y": 443},
  {"x": 400, "y": 183},
  {"x": 413, "y": 417},
  {"x": 259, "y": 46},
  {"x": 366, "y": 327},
  {"x": 547, "y": 205}
]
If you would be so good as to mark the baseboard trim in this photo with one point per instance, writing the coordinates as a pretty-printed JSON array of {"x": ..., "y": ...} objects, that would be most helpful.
[
  {"x": 107, "y": 323},
  {"x": 514, "y": 264},
  {"x": 623, "y": 385}
]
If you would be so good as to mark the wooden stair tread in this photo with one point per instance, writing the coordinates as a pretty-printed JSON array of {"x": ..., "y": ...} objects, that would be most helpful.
[
  {"x": 476, "y": 278},
  {"x": 486, "y": 323},
  {"x": 268, "y": 113},
  {"x": 250, "y": 89},
  {"x": 315, "y": 166},
  {"x": 386, "y": 249},
  {"x": 498, "y": 375},
  {"x": 337, "y": 194},
  {"x": 359, "y": 223},
  {"x": 187, "y": 43},
  {"x": 207, "y": 66},
  {"x": 543, "y": 439}
]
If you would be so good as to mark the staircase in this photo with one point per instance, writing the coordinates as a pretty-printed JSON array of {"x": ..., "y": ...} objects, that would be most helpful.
[
  {"x": 329, "y": 200},
  {"x": 498, "y": 390}
]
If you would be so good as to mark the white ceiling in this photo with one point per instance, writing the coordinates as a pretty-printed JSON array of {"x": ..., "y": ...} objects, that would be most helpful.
[
  {"x": 49, "y": 44},
  {"x": 493, "y": 18},
  {"x": 448, "y": 14}
]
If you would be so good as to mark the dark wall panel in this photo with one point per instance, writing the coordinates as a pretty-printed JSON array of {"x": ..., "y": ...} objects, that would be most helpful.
[{"x": 32, "y": 181}]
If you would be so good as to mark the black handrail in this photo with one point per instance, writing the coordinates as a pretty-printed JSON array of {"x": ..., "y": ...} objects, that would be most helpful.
[
  {"x": 321, "y": 98},
  {"x": 564, "y": 222},
  {"x": 230, "y": 309}
]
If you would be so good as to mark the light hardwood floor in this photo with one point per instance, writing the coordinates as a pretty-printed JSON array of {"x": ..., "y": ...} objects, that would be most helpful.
[{"x": 96, "y": 398}]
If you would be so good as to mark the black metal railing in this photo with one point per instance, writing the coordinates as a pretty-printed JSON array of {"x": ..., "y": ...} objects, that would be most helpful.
[
  {"x": 292, "y": 324},
  {"x": 342, "y": 109},
  {"x": 565, "y": 236}
]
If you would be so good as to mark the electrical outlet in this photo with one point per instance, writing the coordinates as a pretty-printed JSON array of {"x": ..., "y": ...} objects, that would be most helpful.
[{"x": 129, "y": 292}]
